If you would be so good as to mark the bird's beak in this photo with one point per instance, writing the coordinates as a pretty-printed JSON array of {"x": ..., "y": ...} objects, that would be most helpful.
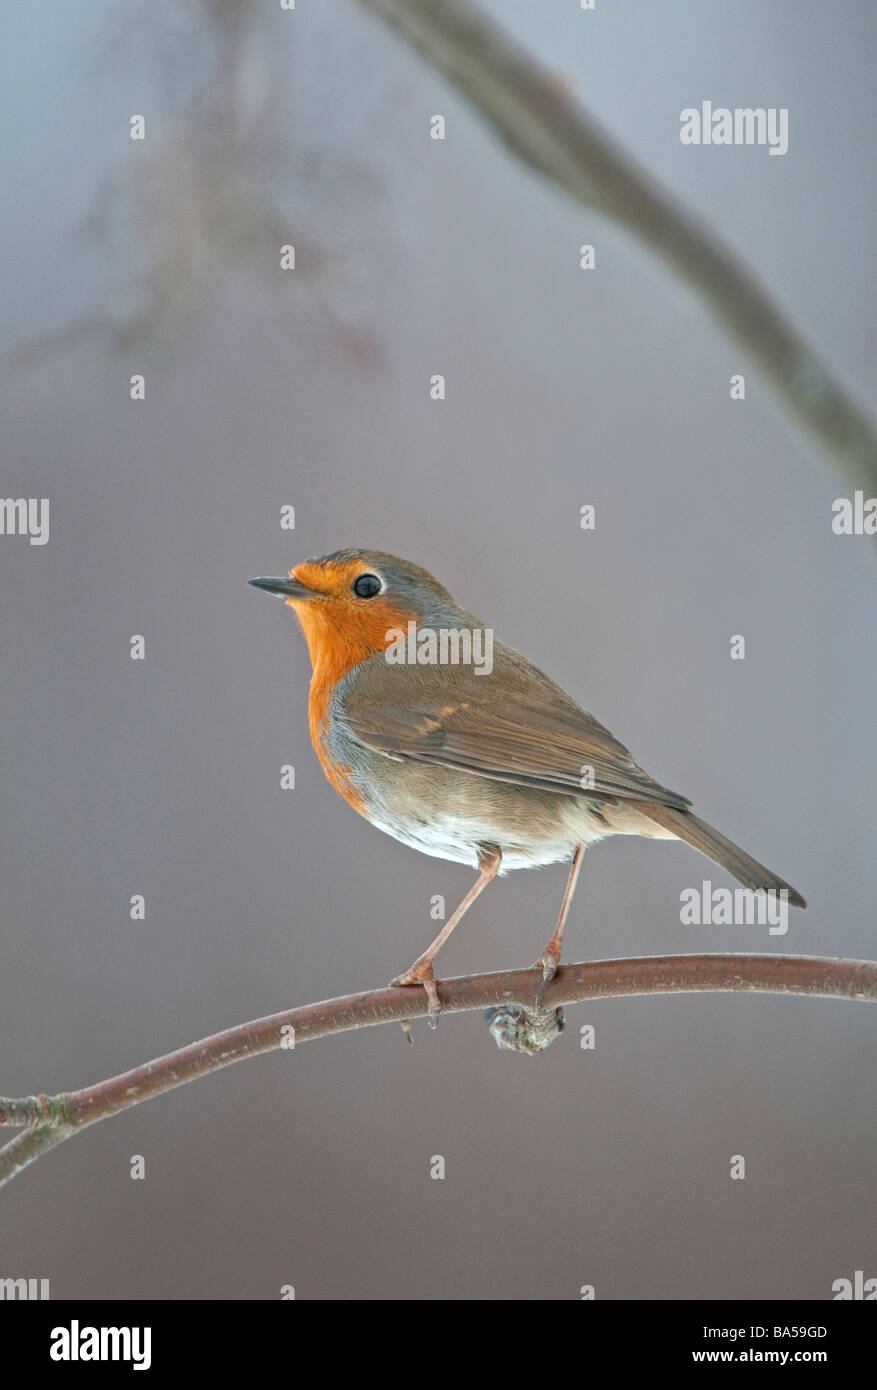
[{"x": 285, "y": 588}]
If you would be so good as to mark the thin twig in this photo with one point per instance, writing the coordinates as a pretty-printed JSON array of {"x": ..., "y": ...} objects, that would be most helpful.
[
  {"x": 544, "y": 126},
  {"x": 52, "y": 1119}
]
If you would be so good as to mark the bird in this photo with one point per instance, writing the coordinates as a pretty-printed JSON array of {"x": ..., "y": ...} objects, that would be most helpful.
[{"x": 487, "y": 763}]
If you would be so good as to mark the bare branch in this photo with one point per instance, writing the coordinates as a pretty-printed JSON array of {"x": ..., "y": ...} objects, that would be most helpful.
[
  {"x": 52, "y": 1119},
  {"x": 529, "y": 109}
]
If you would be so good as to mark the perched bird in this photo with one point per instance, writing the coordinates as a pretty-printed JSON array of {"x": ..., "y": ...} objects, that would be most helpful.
[{"x": 485, "y": 763}]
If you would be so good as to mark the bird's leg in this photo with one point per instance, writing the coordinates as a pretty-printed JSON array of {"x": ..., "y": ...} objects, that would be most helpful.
[
  {"x": 550, "y": 957},
  {"x": 422, "y": 972}
]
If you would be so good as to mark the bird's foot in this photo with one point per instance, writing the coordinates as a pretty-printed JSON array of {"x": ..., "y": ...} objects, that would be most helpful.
[
  {"x": 548, "y": 963},
  {"x": 422, "y": 973}
]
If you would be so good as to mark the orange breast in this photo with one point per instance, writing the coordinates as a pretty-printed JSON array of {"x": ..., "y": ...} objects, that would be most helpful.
[
  {"x": 339, "y": 638},
  {"x": 322, "y": 691}
]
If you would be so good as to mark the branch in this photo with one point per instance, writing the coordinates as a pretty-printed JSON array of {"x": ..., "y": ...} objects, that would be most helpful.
[
  {"x": 52, "y": 1119},
  {"x": 528, "y": 109}
]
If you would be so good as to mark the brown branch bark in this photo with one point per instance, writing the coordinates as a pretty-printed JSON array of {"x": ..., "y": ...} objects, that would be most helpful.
[
  {"x": 52, "y": 1119},
  {"x": 537, "y": 119}
]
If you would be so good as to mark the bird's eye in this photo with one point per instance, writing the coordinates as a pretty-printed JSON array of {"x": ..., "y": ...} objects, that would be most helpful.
[{"x": 366, "y": 585}]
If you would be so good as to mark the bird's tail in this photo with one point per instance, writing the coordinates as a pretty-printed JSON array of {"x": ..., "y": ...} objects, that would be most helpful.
[{"x": 701, "y": 836}]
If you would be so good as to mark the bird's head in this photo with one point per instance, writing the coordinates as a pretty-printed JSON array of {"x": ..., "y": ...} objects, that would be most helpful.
[{"x": 350, "y": 602}]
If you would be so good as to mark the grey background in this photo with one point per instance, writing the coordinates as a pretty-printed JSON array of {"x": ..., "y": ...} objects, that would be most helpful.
[{"x": 162, "y": 777}]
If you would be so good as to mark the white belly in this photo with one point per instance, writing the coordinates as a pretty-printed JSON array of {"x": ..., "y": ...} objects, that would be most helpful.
[{"x": 456, "y": 836}]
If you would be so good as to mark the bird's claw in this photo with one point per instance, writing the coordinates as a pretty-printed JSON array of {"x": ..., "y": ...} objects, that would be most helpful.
[
  {"x": 549, "y": 962},
  {"x": 422, "y": 975}
]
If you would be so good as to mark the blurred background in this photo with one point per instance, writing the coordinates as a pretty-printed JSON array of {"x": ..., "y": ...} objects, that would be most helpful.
[{"x": 267, "y": 388}]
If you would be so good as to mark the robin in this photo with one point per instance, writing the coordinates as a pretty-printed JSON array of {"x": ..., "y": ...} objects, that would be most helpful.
[{"x": 460, "y": 747}]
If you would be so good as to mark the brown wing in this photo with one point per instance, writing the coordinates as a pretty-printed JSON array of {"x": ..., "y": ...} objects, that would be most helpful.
[{"x": 514, "y": 725}]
